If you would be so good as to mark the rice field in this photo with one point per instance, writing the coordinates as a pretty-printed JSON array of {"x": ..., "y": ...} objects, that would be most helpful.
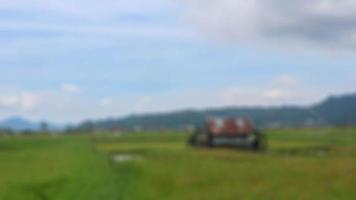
[{"x": 299, "y": 164}]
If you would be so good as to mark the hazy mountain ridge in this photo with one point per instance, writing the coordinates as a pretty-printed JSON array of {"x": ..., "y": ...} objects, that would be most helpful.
[
  {"x": 334, "y": 111},
  {"x": 22, "y": 124},
  {"x": 18, "y": 124}
]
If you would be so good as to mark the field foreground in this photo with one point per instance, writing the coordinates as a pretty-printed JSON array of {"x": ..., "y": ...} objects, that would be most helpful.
[{"x": 299, "y": 164}]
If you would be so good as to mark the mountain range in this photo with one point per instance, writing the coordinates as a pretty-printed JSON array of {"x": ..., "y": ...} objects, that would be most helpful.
[
  {"x": 22, "y": 124},
  {"x": 333, "y": 111}
]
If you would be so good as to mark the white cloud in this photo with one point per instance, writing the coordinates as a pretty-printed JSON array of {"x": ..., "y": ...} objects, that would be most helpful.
[
  {"x": 327, "y": 24},
  {"x": 239, "y": 96},
  {"x": 69, "y": 88},
  {"x": 106, "y": 102},
  {"x": 287, "y": 80},
  {"x": 143, "y": 104},
  {"x": 86, "y": 8},
  {"x": 109, "y": 18},
  {"x": 353, "y": 77},
  {"x": 276, "y": 94},
  {"x": 9, "y": 101},
  {"x": 283, "y": 89},
  {"x": 22, "y": 101},
  {"x": 28, "y": 100},
  {"x": 260, "y": 96},
  {"x": 150, "y": 30}
]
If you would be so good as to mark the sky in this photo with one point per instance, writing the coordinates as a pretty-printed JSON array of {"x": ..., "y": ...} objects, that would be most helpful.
[{"x": 71, "y": 60}]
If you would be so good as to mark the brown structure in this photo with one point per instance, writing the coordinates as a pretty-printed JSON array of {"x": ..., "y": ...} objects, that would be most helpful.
[
  {"x": 230, "y": 126},
  {"x": 232, "y": 132}
]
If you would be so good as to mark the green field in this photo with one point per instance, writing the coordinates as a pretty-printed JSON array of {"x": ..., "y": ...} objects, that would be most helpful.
[{"x": 299, "y": 164}]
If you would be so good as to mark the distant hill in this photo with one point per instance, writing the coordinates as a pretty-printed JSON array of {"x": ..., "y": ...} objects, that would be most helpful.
[
  {"x": 334, "y": 111},
  {"x": 18, "y": 124},
  {"x": 339, "y": 110},
  {"x": 21, "y": 124}
]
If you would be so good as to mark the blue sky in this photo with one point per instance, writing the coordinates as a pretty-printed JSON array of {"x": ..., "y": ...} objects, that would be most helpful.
[{"x": 67, "y": 61}]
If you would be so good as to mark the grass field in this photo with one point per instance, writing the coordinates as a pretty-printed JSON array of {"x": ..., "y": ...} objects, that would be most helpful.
[{"x": 299, "y": 164}]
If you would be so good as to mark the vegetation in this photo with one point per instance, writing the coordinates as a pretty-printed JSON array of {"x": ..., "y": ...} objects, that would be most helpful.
[
  {"x": 299, "y": 164},
  {"x": 45, "y": 167}
]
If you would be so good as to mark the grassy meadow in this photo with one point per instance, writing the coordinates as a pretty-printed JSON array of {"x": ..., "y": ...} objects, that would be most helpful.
[{"x": 299, "y": 164}]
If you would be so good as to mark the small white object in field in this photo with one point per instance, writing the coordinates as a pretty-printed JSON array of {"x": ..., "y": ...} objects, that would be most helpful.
[{"x": 119, "y": 158}]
